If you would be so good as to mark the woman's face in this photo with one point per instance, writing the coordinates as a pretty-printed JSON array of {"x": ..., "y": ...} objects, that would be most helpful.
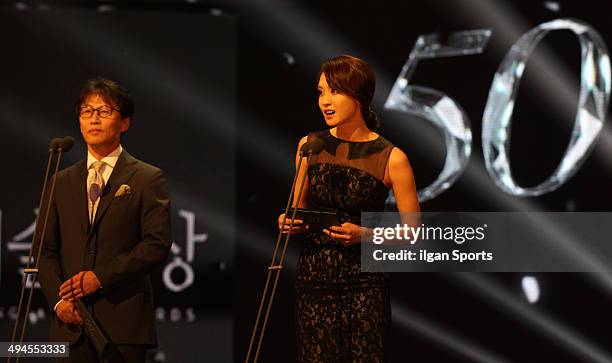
[{"x": 337, "y": 108}]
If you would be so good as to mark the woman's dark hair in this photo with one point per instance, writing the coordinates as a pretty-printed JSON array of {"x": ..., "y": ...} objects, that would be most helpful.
[
  {"x": 353, "y": 77},
  {"x": 111, "y": 92}
]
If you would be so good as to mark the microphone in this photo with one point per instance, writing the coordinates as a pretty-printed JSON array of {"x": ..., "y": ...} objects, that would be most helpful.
[
  {"x": 54, "y": 144},
  {"x": 66, "y": 143},
  {"x": 278, "y": 256},
  {"x": 312, "y": 147},
  {"x": 58, "y": 146}
]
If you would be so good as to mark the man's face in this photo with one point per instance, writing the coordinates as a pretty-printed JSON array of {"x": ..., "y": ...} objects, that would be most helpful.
[{"x": 99, "y": 131}]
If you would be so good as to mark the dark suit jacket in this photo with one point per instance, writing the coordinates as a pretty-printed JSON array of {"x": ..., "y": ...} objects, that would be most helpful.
[{"x": 129, "y": 239}]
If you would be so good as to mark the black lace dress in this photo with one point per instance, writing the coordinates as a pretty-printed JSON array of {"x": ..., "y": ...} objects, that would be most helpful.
[{"x": 342, "y": 314}]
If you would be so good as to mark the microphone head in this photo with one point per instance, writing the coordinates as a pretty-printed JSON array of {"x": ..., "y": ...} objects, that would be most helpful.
[
  {"x": 312, "y": 147},
  {"x": 54, "y": 144},
  {"x": 67, "y": 143}
]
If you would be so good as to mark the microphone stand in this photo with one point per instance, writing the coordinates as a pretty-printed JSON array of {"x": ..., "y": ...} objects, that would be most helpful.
[
  {"x": 276, "y": 267},
  {"x": 55, "y": 145}
]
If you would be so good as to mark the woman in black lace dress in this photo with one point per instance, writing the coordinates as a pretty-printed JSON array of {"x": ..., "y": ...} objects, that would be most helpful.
[{"x": 343, "y": 314}]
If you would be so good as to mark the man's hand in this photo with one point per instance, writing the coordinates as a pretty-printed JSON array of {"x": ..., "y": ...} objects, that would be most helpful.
[
  {"x": 67, "y": 313},
  {"x": 82, "y": 284}
]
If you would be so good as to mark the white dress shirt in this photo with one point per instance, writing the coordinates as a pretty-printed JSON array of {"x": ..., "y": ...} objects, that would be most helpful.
[{"x": 109, "y": 161}]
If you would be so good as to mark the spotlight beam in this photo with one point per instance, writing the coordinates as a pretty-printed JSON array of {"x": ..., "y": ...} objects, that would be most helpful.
[
  {"x": 451, "y": 341},
  {"x": 554, "y": 330}
]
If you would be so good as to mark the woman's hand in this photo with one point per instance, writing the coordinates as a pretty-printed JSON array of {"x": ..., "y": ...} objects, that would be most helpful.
[
  {"x": 298, "y": 225},
  {"x": 346, "y": 234}
]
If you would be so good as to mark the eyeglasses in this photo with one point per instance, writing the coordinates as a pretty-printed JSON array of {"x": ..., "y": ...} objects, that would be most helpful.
[{"x": 103, "y": 111}]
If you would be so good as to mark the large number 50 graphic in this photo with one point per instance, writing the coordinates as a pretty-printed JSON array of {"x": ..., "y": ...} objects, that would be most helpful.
[{"x": 449, "y": 117}]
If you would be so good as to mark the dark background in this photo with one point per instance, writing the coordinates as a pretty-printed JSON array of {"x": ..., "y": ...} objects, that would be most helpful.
[
  {"x": 437, "y": 317},
  {"x": 183, "y": 83}
]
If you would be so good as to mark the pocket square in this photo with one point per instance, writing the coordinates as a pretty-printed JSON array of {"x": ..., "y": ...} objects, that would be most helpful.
[{"x": 123, "y": 190}]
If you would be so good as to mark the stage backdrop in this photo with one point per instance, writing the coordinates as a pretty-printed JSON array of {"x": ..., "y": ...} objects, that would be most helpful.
[
  {"x": 179, "y": 63},
  {"x": 180, "y": 69},
  {"x": 437, "y": 317}
]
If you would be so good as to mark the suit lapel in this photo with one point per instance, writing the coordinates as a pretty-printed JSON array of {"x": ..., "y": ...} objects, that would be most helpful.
[
  {"x": 122, "y": 172},
  {"x": 78, "y": 179}
]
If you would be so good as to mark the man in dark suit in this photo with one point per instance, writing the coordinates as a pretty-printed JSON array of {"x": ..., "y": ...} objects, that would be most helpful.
[{"x": 108, "y": 230}]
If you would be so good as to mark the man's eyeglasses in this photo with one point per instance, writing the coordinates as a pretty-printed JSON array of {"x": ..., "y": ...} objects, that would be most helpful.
[{"x": 103, "y": 111}]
